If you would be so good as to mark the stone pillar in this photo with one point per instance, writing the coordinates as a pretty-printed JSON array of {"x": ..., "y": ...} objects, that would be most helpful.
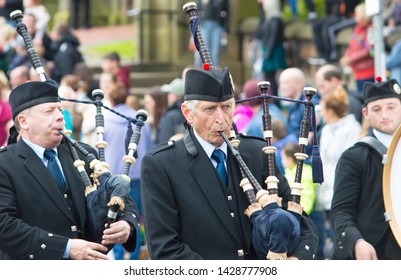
[
  {"x": 156, "y": 29},
  {"x": 64, "y": 5}
]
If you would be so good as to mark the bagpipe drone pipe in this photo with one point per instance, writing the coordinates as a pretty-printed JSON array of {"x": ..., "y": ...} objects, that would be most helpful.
[
  {"x": 106, "y": 194},
  {"x": 275, "y": 230}
]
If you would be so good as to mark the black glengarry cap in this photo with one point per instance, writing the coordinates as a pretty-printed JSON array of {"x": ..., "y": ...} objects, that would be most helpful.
[
  {"x": 381, "y": 90},
  {"x": 30, "y": 94},
  {"x": 208, "y": 85}
]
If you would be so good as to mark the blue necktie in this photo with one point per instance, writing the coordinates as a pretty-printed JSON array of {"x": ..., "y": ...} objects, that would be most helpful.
[
  {"x": 54, "y": 169},
  {"x": 219, "y": 156}
]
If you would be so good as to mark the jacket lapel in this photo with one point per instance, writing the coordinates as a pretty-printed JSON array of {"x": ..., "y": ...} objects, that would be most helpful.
[
  {"x": 40, "y": 173},
  {"x": 204, "y": 173}
]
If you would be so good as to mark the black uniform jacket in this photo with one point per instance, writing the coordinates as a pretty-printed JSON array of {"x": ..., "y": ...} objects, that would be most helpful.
[
  {"x": 357, "y": 209},
  {"x": 35, "y": 219},
  {"x": 189, "y": 214}
]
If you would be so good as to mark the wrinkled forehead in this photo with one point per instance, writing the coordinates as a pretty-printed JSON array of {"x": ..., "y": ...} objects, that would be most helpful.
[{"x": 204, "y": 103}]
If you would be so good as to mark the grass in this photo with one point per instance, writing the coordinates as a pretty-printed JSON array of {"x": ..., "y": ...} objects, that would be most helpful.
[{"x": 125, "y": 48}]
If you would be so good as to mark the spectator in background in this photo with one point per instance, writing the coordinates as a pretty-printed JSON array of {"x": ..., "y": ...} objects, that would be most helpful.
[
  {"x": 18, "y": 76},
  {"x": 242, "y": 116},
  {"x": 308, "y": 195},
  {"x": 255, "y": 126},
  {"x": 111, "y": 63},
  {"x": 80, "y": 110},
  {"x": 328, "y": 78},
  {"x": 340, "y": 131},
  {"x": 116, "y": 128},
  {"x": 393, "y": 61},
  {"x": 338, "y": 16},
  {"x": 41, "y": 41},
  {"x": 214, "y": 24},
  {"x": 172, "y": 120},
  {"x": 289, "y": 162},
  {"x": 359, "y": 55},
  {"x": 89, "y": 83},
  {"x": 77, "y": 17},
  {"x": 271, "y": 34},
  {"x": 68, "y": 88},
  {"x": 280, "y": 139},
  {"x": 107, "y": 82},
  {"x": 244, "y": 111},
  {"x": 8, "y": 36},
  {"x": 67, "y": 53},
  {"x": 155, "y": 104},
  {"x": 292, "y": 82},
  {"x": 392, "y": 16},
  {"x": 5, "y": 119},
  {"x": 309, "y": 4},
  {"x": 36, "y": 8},
  {"x": 8, "y": 6},
  {"x": 4, "y": 87}
]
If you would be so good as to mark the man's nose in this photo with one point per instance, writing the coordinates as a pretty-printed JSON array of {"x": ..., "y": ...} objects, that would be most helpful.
[
  {"x": 219, "y": 114},
  {"x": 60, "y": 115}
]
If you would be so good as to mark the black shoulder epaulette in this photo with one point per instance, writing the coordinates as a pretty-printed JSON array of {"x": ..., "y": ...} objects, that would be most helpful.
[
  {"x": 163, "y": 146},
  {"x": 3, "y": 148}
]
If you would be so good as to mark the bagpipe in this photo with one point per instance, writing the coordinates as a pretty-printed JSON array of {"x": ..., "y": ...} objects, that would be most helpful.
[
  {"x": 106, "y": 194},
  {"x": 275, "y": 230}
]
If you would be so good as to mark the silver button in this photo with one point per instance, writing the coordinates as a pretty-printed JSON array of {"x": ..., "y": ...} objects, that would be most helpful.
[
  {"x": 133, "y": 215},
  {"x": 240, "y": 253},
  {"x": 65, "y": 195},
  {"x": 43, "y": 246},
  {"x": 232, "y": 214},
  {"x": 307, "y": 247},
  {"x": 229, "y": 197},
  {"x": 74, "y": 228},
  {"x": 31, "y": 257},
  {"x": 50, "y": 234}
]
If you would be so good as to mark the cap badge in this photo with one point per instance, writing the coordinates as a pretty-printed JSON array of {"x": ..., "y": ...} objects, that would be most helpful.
[
  {"x": 231, "y": 82},
  {"x": 397, "y": 89}
]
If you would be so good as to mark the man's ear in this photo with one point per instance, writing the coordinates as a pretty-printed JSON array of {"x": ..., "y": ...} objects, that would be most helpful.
[
  {"x": 365, "y": 112},
  {"x": 186, "y": 112},
  {"x": 22, "y": 120}
]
